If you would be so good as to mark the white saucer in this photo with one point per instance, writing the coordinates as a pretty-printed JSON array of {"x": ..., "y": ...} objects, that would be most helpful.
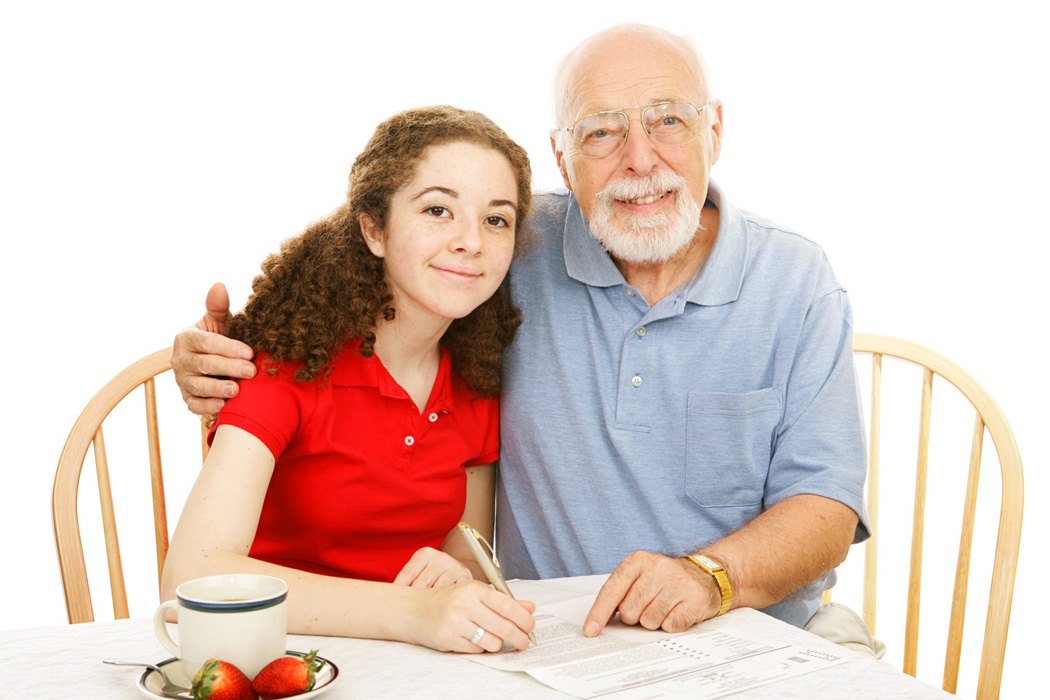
[{"x": 150, "y": 683}]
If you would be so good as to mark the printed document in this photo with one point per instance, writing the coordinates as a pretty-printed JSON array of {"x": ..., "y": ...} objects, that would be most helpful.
[{"x": 716, "y": 658}]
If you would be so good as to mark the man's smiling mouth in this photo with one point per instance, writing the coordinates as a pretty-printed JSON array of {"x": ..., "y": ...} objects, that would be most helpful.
[{"x": 648, "y": 199}]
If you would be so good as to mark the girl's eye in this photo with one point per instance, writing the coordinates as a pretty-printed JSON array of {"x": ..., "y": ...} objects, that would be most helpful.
[
  {"x": 438, "y": 211},
  {"x": 497, "y": 221}
]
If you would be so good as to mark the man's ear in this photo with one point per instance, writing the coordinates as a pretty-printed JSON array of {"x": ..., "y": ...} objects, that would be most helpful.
[
  {"x": 559, "y": 157},
  {"x": 373, "y": 235},
  {"x": 716, "y": 131}
]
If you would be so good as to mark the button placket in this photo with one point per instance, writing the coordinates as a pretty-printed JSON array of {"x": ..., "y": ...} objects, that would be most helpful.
[
  {"x": 417, "y": 427},
  {"x": 408, "y": 434},
  {"x": 632, "y": 411}
]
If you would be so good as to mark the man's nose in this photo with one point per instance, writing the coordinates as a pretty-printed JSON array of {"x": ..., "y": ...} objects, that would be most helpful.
[{"x": 638, "y": 155}]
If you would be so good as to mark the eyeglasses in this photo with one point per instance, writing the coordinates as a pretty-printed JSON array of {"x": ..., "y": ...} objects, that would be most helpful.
[{"x": 667, "y": 123}]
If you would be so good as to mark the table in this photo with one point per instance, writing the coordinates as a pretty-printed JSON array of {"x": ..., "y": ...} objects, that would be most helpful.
[{"x": 63, "y": 662}]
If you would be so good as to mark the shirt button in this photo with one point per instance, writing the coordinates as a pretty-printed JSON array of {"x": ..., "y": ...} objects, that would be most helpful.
[
  {"x": 410, "y": 440},
  {"x": 433, "y": 417},
  {"x": 640, "y": 332},
  {"x": 636, "y": 380},
  {"x": 630, "y": 292}
]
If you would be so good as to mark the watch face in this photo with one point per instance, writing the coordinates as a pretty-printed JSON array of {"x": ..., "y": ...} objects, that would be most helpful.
[{"x": 708, "y": 562}]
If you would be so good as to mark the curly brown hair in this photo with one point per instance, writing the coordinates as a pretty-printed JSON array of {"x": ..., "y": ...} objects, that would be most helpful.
[{"x": 325, "y": 287}]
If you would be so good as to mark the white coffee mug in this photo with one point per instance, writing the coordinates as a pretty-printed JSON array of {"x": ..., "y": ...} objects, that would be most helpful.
[{"x": 238, "y": 618}]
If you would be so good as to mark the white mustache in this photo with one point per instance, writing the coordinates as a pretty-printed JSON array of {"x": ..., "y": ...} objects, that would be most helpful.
[
  {"x": 634, "y": 187},
  {"x": 650, "y": 237}
]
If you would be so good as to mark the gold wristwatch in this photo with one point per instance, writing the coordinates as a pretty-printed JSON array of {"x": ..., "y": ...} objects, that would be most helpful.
[{"x": 712, "y": 567}]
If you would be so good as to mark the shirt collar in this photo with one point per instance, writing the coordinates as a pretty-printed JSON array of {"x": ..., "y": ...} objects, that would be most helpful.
[
  {"x": 352, "y": 369},
  {"x": 717, "y": 282}
]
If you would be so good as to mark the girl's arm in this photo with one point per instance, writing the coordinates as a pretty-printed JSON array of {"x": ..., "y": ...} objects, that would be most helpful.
[
  {"x": 215, "y": 533},
  {"x": 480, "y": 512}
]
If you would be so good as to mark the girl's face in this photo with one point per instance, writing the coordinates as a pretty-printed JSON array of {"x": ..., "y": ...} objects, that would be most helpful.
[{"x": 449, "y": 234}]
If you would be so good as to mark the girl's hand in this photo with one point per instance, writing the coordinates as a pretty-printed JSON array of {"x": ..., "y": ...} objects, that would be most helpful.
[
  {"x": 431, "y": 568},
  {"x": 447, "y": 618}
]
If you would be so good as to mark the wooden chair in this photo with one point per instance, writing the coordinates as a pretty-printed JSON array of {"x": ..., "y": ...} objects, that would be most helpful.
[
  {"x": 88, "y": 431},
  {"x": 988, "y": 417}
]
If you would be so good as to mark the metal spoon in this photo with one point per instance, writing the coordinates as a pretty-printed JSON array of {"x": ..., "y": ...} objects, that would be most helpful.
[{"x": 169, "y": 689}]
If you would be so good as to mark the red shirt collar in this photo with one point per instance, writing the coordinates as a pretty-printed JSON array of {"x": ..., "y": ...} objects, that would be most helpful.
[{"x": 356, "y": 370}]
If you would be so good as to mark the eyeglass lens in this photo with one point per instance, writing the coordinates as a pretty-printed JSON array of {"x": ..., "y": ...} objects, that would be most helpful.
[{"x": 666, "y": 123}]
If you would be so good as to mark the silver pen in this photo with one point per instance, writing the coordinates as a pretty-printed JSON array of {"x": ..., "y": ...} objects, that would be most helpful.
[{"x": 488, "y": 563}]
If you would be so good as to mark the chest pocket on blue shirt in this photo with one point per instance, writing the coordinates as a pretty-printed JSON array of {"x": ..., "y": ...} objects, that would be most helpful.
[{"x": 729, "y": 438}]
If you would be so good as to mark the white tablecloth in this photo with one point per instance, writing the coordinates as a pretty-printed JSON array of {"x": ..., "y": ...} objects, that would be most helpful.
[{"x": 66, "y": 662}]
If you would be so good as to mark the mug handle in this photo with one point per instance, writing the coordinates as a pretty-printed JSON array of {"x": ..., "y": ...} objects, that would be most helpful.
[{"x": 161, "y": 629}]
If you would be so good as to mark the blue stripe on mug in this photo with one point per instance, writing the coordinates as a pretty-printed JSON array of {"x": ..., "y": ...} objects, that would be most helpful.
[{"x": 231, "y": 606}]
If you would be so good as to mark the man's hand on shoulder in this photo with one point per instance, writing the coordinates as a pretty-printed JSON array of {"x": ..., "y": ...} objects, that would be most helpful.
[
  {"x": 205, "y": 362},
  {"x": 655, "y": 591}
]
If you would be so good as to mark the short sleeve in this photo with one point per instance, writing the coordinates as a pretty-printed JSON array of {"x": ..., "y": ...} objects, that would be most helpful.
[
  {"x": 487, "y": 412},
  {"x": 270, "y": 407},
  {"x": 819, "y": 446}
]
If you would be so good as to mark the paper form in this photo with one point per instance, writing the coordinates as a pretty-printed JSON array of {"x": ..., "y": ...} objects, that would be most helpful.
[{"x": 711, "y": 660}]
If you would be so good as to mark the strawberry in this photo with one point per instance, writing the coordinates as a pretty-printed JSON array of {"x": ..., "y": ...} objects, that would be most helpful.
[
  {"x": 218, "y": 680},
  {"x": 287, "y": 676}
]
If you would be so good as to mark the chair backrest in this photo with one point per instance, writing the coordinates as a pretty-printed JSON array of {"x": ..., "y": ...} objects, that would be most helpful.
[
  {"x": 87, "y": 430},
  {"x": 988, "y": 417}
]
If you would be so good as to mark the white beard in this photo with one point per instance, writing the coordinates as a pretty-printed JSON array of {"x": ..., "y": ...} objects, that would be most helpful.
[{"x": 645, "y": 238}]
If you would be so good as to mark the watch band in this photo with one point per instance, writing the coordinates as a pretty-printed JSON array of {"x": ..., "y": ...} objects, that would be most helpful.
[{"x": 713, "y": 568}]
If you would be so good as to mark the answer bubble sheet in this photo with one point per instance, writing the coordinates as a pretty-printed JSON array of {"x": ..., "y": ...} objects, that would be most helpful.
[{"x": 711, "y": 660}]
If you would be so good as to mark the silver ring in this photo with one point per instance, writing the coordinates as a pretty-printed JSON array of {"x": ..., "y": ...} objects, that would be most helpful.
[{"x": 477, "y": 636}]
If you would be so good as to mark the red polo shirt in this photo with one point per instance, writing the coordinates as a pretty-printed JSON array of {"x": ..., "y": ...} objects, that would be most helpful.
[{"x": 362, "y": 479}]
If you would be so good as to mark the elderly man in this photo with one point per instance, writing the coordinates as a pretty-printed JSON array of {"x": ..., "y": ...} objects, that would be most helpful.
[{"x": 679, "y": 406}]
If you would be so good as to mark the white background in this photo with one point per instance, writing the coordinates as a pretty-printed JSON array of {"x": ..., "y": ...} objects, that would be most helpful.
[{"x": 149, "y": 150}]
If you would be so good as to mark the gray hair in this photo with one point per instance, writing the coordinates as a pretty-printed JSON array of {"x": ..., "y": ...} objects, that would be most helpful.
[{"x": 681, "y": 44}]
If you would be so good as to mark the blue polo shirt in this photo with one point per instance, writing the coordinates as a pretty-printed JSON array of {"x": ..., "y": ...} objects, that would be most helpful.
[{"x": 664, "y": 428}]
